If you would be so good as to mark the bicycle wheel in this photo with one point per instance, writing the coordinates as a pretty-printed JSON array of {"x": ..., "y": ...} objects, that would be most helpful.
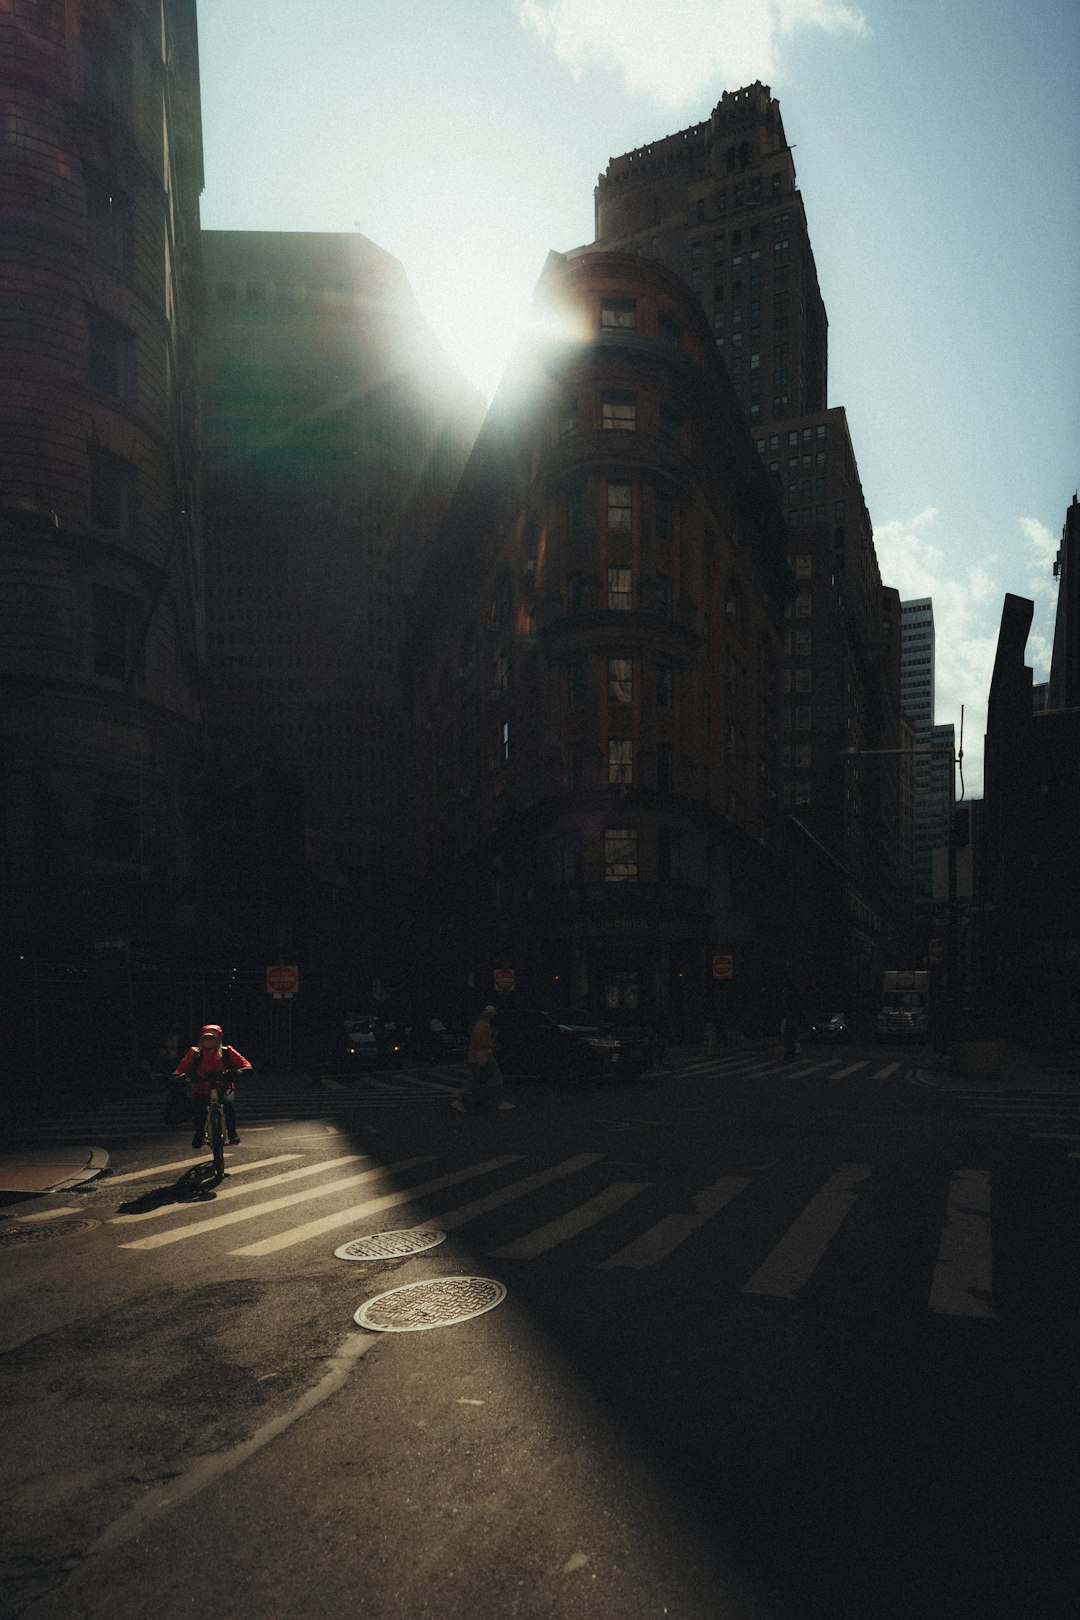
[{"x": 217, "y": 1141}]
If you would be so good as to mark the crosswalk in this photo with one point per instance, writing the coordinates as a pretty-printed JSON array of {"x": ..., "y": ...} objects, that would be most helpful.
[
  {"x": 117, "y": 1119},
  {"x": 1048, "y": 1114},
  {"x": 583, "y": 1211}
]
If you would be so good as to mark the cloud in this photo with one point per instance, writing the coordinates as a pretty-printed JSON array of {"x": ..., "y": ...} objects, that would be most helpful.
[
  {"x": 967, "y": 617},
  {"x": 676, "y": 52}
]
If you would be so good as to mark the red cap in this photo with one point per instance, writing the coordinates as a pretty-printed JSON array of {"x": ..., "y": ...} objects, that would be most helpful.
[{"x": 210, "y": 1029}]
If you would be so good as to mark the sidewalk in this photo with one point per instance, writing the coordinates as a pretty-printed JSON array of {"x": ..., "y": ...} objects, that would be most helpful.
[
  {"x": 998, "y": 1065},
  {"x": 45, "y": 1170}
]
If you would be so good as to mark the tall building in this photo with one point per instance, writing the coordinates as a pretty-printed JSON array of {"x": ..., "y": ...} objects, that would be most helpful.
[
  {"x": 1028, "y": 855},
  {"x": 718, "y": 203},
  {"x": 917, "y": 664},
  {"x": 102, "y": 644},
  {"x": 596, "y": 656},
  {"x": 335, "y": 433}
]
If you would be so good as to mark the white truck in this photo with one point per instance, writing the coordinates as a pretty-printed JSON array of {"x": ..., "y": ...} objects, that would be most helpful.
[{"x": 905, "y": 1005}]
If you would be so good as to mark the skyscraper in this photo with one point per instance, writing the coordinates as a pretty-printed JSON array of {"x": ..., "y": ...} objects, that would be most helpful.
[
  {"x": 718, "y": 203},
  {"x": 934, "y": 744}
]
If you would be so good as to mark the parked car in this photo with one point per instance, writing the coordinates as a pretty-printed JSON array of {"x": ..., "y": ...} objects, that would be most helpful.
[
  {"x": 371, "y": 1043},
  {"x": 536, "y": 1043},
  {"x": 429, "y": 1041},
  {"x": 834, "y": 1027}
]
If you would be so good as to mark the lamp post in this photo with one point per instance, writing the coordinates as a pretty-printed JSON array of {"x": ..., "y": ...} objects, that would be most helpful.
[{"x": 957, "y": 758}]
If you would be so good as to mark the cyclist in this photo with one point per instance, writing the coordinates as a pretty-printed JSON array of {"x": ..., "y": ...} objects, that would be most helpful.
[{"x": 202, "y": 1062}]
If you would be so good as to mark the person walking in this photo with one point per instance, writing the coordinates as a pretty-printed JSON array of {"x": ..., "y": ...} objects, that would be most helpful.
[
  {"x": 204, "y": 1063},
  {"x": 483, "y": 1086}
]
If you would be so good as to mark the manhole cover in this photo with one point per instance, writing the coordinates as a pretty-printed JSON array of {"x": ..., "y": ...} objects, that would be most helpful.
[
  {"x": 439, "y": 1302},
  {"x": 13, "y": 1232},
  {"x": 389, "y": 1245}
]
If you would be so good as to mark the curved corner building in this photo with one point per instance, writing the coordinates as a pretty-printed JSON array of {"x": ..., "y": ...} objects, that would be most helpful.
[
  {"x": 596, "y": 656},
  {"x": 101, "y": 646}
]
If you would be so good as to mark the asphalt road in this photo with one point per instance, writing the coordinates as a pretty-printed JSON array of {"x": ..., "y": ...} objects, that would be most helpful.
[{"x": 778, "y": 1342}]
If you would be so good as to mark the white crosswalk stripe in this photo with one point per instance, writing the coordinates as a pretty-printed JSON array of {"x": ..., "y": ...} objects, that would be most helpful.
[
  {"x": 796, "y": 1234},
  {"x": 1047, "y": 1115}
]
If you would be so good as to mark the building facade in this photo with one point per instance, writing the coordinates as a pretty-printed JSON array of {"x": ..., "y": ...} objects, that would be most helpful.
[
  {"x": 596, "y": 655},
  {"x": 102, "y": 643},
  {"x": 719, "y": 204},
  {"x": 335, "y": 432}
]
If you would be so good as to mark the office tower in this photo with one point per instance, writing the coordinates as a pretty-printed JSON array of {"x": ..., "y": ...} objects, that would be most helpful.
[
  {"x": 718, "y": 203},
  {"x": 102, "y": 646},
  {"x": 917, "y": 657},
  {"x": 335, "y": 433},
  {"x": 596, "y": 659}
]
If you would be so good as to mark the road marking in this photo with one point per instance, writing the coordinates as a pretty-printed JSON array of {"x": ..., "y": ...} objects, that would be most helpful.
[
  {"x": 359, "y": 1212},
  {"x": 212, "y": 1222},
  {"x": 574, "y": 1221},
  {"x": 883, "y": 1074},
  {"x": 246, "y": 1191},
  {"x": 962, "y": 1276},
  {"x": 450, "y": 1218},
  {"x": 852, "y": 1068},
  {"x": 659, "y": 1240},
  {"x": 791, "y": 1263},
  {"x": 189, "y": 1163},
  {"x": 48, "y": 1214}
]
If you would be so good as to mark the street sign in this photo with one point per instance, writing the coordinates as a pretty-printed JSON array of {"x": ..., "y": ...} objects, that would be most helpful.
[
  {"x": 504, "y": 979},
  {"x": 722, "y": 967},
  {"x": 282, "y": 981}
]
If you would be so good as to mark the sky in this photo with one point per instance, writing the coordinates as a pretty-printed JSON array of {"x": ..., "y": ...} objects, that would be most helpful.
[{"x": 937, "y": 149}]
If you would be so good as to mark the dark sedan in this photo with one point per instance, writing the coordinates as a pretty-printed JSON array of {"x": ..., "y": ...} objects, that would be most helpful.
[
  {"x": 834, "y": 1027},
  {"x": 536, "y": 1043}
]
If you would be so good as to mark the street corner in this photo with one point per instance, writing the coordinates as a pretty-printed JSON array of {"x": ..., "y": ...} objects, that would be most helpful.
[{"x": 47, "y": 1170}]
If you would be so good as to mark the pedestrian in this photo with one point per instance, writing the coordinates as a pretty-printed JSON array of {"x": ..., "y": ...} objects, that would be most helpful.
[
  {"x": 483, "y": 1086},
  {"x": 204, "y": 1063}
]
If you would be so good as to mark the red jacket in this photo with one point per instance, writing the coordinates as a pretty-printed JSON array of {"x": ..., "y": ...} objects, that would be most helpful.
[{"x": 228, "y": 1061}]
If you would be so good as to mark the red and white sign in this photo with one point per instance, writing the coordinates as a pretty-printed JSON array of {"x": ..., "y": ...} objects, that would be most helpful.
[
  {"x": 722, "y": 967},
  {"x": 282, "y": 981},
  {"x": 504, "y": 979}
]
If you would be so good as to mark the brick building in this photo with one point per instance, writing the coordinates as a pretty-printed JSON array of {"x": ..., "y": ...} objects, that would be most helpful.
[
  {"x": 101, "y": 637},
  {"x": 596, "y": 657},
  {"x": 718, "y": 203}
]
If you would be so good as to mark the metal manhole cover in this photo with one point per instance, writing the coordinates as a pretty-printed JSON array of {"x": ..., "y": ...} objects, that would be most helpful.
[
  {"x": 438, "y": 1302},
  {"x": 14, "y": 1232},
  {"x": 390, "y": 1245}
]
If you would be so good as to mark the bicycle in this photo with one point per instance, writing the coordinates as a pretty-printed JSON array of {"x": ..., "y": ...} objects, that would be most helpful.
[{"x": 215, "y": 1129}]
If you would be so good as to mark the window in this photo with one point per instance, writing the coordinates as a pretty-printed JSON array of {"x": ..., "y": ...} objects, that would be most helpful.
[
  {"x": 568, "y": 417},
  {"x": 504, "y": 741},
  {"x": 575, "y": 776},
  {"x": 502, "y": 673},
  {"x": 620, "y": 680},
  {"x": 620, "y": 855},
  {"x": 571, "y": 860},
  {"x": 618, "y": 314},
  {"x": 663, "y": 520},
  {"x": 667, "y": 328},
  {"x": 108, "y": 364},
  {"x": 106, "y": 67},
  {"x": 108, "y": 218},
  {"x": 668, "y": 851},
  {"x": 620, "y": 761},
  {"x": 619, "y": 506},
  {"x": 665, "y": 595},
  {"x": 670, "y": 424},
  {"x": 665, "y": 686},
  {"x": 577, "y": 593},
  {"x": 110, "y": 489},
  {"x": 116, "y": 619},
  {"x": 733, "y": 607},
  {"x": 575, "y": 681},
  {"x": 619, "y": 410},
  {"x": 803, "y": 565},
  {"x": 620, "y": 588}
]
